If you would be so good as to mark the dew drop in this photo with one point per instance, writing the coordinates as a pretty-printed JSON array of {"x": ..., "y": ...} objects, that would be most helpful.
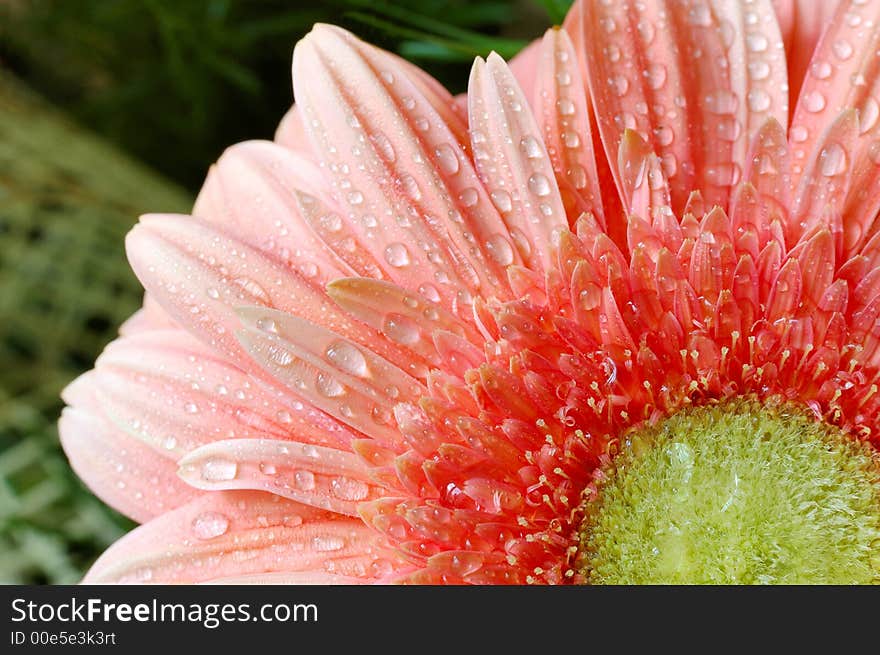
[
  {"x": 502, "y": 201},
  {"x": 210, "y": 525},
  {"x": 759, "y": 70},
  {"x": 328, "y": 543},
  {"x": 411, "y": 187},
  {"x": 469, "y": 197},
  {"x": 500, "y": 249},
  {"x": 759, "y": 100},
  {"x": 756, "y": 42},
  {"x": 347, "y": 358},
  {"x": 329, "y": 386},
  {"x": 565, "y": 107},
  {"x": 349, "y": 489},
  {"x": 842, "y": 49},
  {"x": 539, "y": 184},
  {"x": 304, "y": 480},
  {"x": 799, "y": 133},
  {"x": 656, "y": 74},
  {"x": 397, "y": 255},
  {"x": 430, "y": 292},
  {"x": 820, "y": 69},
  {"x": 531, "y": 147},
  {"x": 268, "y": 469},
  {"x": 832, "y": 160},
  {"x": 868, "y": 115},
  {"x": 571, "y": 139},
  {"x": 814, "y": 102},
  {"x": 447, "y": 160},
  {"x": 401, "y": 329},
  {"x": 267, "y": 325}
]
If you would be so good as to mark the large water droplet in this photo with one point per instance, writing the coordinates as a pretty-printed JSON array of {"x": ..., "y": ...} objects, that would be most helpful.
[
  {"x": 210, "y": 525},
  {"x": 502, "y": 200},
  {"x": 349, "y": 489},
  {"x": 347, "y": 358},
  {"x": 397, "y": 255},
  {"x": 328, "y": 543},
  {"x": 401, "y": 329},
  {"x": 759, "y": 100},
  {"x": 304, "y": 480},
  {"x": 539, "y": 184},
  {"x": 329, "y": 386},
  {"x": 842, "y": 49},
  {"x": 447, "y": 160},
  {"x": 832, "y": 160},
  {"x": 500, "y": 250},
  {"x": 531, "y": 147},
  {"x": 814, "y": 102},
  {"x": 656, "y": 74}
]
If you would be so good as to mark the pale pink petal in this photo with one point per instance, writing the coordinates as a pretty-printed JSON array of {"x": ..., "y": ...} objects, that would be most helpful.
[
  {"x": 398, "y": 170},
  {"x": 512, "y": 162},
  {"x": 758, "y": 71},
  {"x": 325, "y": 478},
  {"x": 291, "y": 132},
  {"x": 561, "y": 108},
  {"x": 253, "y": 193},
  {"x": 149, "y": 317},
  {"x": 199, "y": 274},
  {"x": 645, "y": 188},
  {"x": 242, "y": 533},
  {"x": 351, "y": 383},
  {"x": 173, "y": 393},
  {"x": 802, "y": 23},
  {"x": 128, "y": 475},
  {"x": 293, "y": 578}
]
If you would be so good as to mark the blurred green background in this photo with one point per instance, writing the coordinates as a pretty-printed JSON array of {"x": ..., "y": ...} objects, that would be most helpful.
[{"x": 112, "y": 108}]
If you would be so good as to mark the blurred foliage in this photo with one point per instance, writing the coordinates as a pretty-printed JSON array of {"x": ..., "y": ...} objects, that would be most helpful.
[
  {"x": 175, "y": 82},
  {"x": 66, "y": 202},
  {"x": 171, "y": 82}
]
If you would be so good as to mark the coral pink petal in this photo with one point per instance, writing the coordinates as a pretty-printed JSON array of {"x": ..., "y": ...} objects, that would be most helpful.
[
  {"x": 399, "y": 172},
  {"x": 125, "y": 473},
  {"x": 667, "y": 75},
  {"x": 325, "y": 478},
  {"x": 525, "y": 65},
  {"x": 802, "y": 23},
  {"x": 349, "y": 382},
  {"x": 512, "y": 161},
  {"x": 404, "y": 318},
  {"x": 562, "y": 110},
  {"x": 242, "y": 533}
]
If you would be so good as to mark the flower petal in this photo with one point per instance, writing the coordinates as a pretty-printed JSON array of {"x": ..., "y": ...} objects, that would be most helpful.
[
  {"x": 398, "y": 169},
  {"x": 126, "y": 474},
  {"x": 242, "y": 533},
  {"x": 325, "y": 478},
  {"x": 513, "y": 162}
]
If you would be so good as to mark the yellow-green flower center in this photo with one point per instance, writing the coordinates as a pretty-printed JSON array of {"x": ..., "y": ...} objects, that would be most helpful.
[{"x": 739, "y": 493}]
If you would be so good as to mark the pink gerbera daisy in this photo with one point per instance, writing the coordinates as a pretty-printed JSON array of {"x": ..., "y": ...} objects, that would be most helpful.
[{"x": 614, "y": 317}]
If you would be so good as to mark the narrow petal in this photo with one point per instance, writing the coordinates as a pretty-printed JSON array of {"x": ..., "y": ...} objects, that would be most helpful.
[
  {"x": 348, "y": 382},
  {"x": 561, "y": 108},
  {"x": 513, "y": 162},
  {"x": 662, "y": 69},
  {"x": 241, "y": 533},
  {"x": 325, "y": 478},
  {"x": 398, "y": 170}
]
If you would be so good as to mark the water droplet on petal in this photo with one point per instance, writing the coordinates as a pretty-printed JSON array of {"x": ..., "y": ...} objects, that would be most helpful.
[
  {"x": 656, "y": 74},
  {"x": 401, "y": 329},
  {"x": 531, "y": 147},
  {"x": 759, "y": 100},
  {"x": 347, "y": 358},
  {"x": 447, "y": 160},
  {"x": 502, "y": 200},
  {"x": 756, "y": 42},
  {"x": 349, "y": 489},
  {"x": 500, "y": 249},
  {"x": 329, "y": 386},
  {"x": 814, "y": 102},
  {"x": 328, "y": 543},
  {"x": 539, "y": 184},
  {"x": 832, "y": 160},
  {"x": 397, "y": 255},
  {"x": 842, "y": 49},
  {"x": 304, "y": 480},
  {"x": 868, "y": 115},
  {"x": 210, "y": 525}
]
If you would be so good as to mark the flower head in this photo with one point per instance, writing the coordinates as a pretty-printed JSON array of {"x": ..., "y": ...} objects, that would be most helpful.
[{"x": 427, "y": 339}]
